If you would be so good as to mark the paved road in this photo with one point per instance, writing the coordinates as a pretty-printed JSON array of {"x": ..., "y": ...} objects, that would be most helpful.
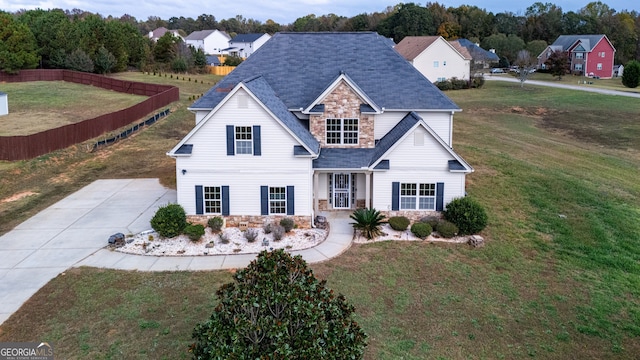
[
  {"x": 74, "y": 231},
  {"x": 582, "y": 87}
]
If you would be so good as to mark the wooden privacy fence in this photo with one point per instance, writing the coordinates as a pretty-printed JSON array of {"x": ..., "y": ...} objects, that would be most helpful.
[{"x": 29, "y": 146}]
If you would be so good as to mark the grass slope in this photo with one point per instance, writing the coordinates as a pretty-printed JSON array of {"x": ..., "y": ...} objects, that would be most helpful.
[{"x": 558, "y": 277}]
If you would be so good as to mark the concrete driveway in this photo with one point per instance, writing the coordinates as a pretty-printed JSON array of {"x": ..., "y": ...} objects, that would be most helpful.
[
  {"x": 70, "y": 230},
  {"x": 581, "y": 87}
]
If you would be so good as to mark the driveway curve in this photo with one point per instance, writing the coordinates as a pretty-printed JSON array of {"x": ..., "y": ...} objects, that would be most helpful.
[
  {"x": 587, "y": 88},
  {"x": 74, "y": 231}
]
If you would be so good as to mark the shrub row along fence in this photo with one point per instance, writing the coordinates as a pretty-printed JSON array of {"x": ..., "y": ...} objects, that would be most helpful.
[
  {"x": 130, "y": 130},
  {"x": 29, "y": 146}
]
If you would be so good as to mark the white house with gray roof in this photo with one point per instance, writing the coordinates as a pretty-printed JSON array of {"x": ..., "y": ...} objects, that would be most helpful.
[
  {"x": 212, "y": 42},
  {"x": 243, "y": 45},
  {"x": 320, "y": 132}
]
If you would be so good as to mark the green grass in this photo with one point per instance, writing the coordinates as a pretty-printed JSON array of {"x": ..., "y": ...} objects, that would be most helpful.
[
  {"x": 558, "y": 277},
  {"x": 42, "y": 105}
]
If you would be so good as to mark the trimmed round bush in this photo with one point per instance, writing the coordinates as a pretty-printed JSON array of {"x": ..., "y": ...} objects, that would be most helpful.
[
  {"x": 215, "y": 223},
  {"x": 421, "y": 230},
  {"x": 169, "y": 221},
  {"x": 446, "y": 229},
  {"x": 194, "y": 231},
  {"x": 399, "y": 223},
  {"x": 287, "y": 224},
  {"x": 431, "y": 220},
  {"x": 467, "y": 214}
]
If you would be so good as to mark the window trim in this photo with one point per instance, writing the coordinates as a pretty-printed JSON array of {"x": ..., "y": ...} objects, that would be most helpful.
[
  {"x": 415, "y": 193},
  {"x": 277, "y": 203},
  {"x": 339, "y": 134},
  {"x": 237, "y": 131}
]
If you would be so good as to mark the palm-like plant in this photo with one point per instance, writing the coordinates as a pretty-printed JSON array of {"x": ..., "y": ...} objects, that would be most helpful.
[{"x": 368, "y": 222}]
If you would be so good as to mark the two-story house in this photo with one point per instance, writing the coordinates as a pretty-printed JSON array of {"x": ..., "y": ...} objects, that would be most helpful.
[
  {"x": 243, "y": 45},
  {"x": 435, "y": 57},
  {"x": 589, "y": 55},
  {"x": 212, "y": 42},
  {"x": 299, "y": 128}
]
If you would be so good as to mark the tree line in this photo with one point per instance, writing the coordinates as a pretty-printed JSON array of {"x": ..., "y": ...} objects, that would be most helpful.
[{"x": 84, "y": 41}]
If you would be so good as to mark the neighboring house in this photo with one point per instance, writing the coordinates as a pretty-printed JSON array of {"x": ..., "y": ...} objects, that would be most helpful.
[
  {"x": 297, "y": 129},
  {"x": 481, "y": 58},
  {"x": 243, "y": 45},
  {"x": 618, "y": 70},
  {"x": 159, "y": 32},
  {"x": 589, "y": 55},
  {"x": 4, "y": 103},
  {"x": 435, "y": 57},
  {"x": 213, "y": 60},
  {"x": 212, "y": 42}
]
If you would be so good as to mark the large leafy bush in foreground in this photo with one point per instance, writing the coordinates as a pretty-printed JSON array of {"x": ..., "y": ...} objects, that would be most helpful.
[
  {"x": 368, "y": 222},
  {"x": 169, "y": 221},
  {"x": 277, "y": 309},
  {"x": 467, "y": 214}
]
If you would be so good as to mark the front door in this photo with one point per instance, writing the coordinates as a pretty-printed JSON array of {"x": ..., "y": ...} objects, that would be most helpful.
[{"x": 341, "y": 191}]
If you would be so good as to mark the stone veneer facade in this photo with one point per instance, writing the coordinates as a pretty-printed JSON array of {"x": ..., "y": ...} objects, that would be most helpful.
[
  {"x": 257, "y": 221},
  {"x": 412, "y": 215},
  {"x": 343, "y": 103}
]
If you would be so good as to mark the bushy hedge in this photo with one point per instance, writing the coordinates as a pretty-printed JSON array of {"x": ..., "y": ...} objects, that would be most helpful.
[
  {"x": 215, "y": 223},
  {"x": 467, "y": 214},
  {"x": 194, "y": 231},
  {"x": 169, "y": 221},
  {"x": 421, "y": 230},
  {"x": 446, "y": 229},
  {"x": 288, "y": 224},
  {"x": 453, "y": 84},
  {"x": 399, "y": 223}
]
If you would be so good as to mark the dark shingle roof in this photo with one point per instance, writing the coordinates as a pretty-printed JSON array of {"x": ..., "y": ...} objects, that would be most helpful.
[
  {"x": 587, "y": 41},
  {"x": 213, "y": 60},
  {"x": 261, "y": 89},
  {"x": 394, "y": 135},
  {"x": 246, "y": 38},
  {"x": 185, "y": 149},
  {"x": 202, "y": 34},
  {"x": 476, "y": 52},
  {"x": 299, "y": 66},
  {"x": 335, "y": 158}
]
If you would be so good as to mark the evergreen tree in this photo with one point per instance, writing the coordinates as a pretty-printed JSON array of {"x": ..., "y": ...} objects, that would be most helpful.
[
  {"x": 631, "y": 74},
  {"x": 17, "y": 45}
]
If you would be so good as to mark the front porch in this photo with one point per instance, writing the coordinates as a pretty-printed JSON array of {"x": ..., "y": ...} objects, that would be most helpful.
[{"x": 341, "y": 191}]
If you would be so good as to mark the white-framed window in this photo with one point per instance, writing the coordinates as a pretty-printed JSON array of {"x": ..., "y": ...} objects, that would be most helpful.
[
  {"x": 436, "y": 64},
  {"x": 212, "y": 199},
  {"x": 278, "y": 200},
  {"x": 244, "y": 140},
  {"x": 579, "y": 55},
  {"x": 602, "y": 54},
  {"x": 599, "y": 66},
  {"x": 440, "y": 79},
  {"x": 342, "y": 131},
  {"x": 417, "y": 196},
  {"x": 578, "y": 67}
]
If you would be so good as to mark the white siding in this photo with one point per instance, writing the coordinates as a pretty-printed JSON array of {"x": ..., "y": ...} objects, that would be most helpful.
[
  {"x": 440, "y": 122},
  {"x": 209, "y": 163},
  {"x": 450, "y": 63},
  {"x": 418, "y": 164},
  {"x": 4, "y": 104}
]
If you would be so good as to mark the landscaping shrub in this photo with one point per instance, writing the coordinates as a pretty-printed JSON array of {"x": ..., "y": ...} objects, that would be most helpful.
[
  {"x": 444, "y": 85},
  {"x": 194, "y": 231},
  {"x": 421, "y": 230},
  {"x": 278, "y": 232},
  {"x": 459, "y": 84},
  {"x": 431, "y": 220},
  {"x": 277, "y": 308},
  {"x": 287, "y": 224},
  {"x": 169, "y": 221},
  {"x": 267, "y": 227},
  {"x": 224, "y": 238},
  {"x": 399, "y": 223},
  {"x": 446, "y": 229},
  {"x": 251, "y": 235},
  {"x": 477, "y": 82},
  {"x": 467, "y": 214},
  {"x": 368, "y": 222},
  {"x": 215, "y": 223}
]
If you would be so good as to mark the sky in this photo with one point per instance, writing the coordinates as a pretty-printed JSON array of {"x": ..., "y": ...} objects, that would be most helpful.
[{"x": 281, "y": 11}]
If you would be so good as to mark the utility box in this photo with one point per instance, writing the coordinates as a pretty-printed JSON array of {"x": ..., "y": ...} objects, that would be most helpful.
[{"x": 4, "y": 103}]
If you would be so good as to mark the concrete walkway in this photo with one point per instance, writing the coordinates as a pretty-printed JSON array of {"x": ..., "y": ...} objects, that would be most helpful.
[{"x": 74, "y": 231}]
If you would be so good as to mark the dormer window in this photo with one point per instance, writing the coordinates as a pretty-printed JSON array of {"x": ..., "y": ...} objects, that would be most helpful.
[{"x": 342, "y": 131}]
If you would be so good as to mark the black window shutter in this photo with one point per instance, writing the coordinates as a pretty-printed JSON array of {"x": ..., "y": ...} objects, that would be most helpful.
[
  {"x": 264, "y": 200},
  {"x": 199, "y": 200},
  {"x": 290, "y": 201},
  {"x": 395, "y": 196},
  {"x": 225, "y": 200},
  {"x": 257, "y": 149},
  {"x": 230, "y": 140},
  {"x": 439, "y": 196}
]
